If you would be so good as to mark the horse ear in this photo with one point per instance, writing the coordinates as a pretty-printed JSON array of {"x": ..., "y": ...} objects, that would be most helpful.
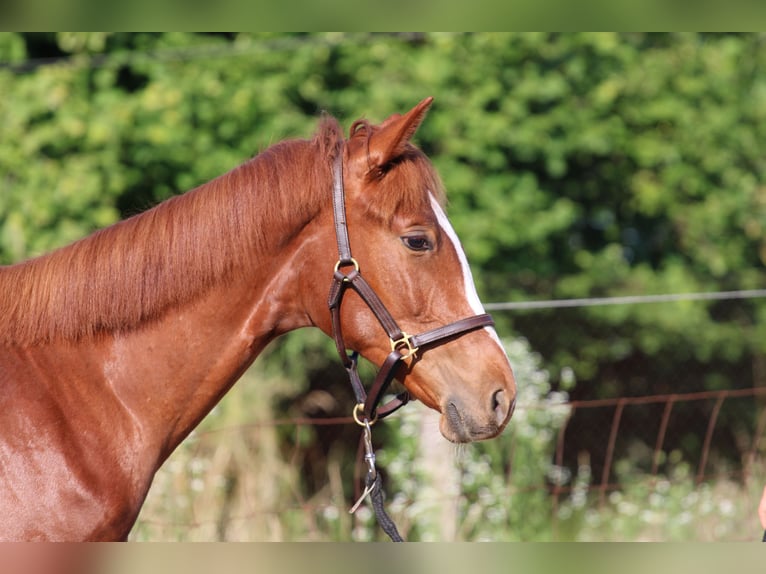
[{"x": 390, "y": 140}]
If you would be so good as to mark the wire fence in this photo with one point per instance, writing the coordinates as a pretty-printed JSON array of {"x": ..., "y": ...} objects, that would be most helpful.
[
  {"x": 715, "y": 399},
  {"x": 243, "y": 47},
  {"x": 626, "y": 300}
]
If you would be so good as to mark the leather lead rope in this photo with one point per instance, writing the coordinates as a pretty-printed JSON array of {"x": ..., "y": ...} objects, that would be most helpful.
[
  {"x": 377, "y": 498},
  {"x": 374, "y": 488}
]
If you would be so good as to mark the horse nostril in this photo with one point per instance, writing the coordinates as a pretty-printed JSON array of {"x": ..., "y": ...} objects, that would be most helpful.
[
  {"x": 453, "y": 415},
  {"x": 500, "y": 405}
]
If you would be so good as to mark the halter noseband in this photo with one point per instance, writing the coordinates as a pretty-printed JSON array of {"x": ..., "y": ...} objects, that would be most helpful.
[{"x": 403, "y": 346}]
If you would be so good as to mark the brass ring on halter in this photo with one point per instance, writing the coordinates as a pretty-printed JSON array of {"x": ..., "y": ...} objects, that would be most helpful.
[
  {"x": 350, "y": 261},
  {"x": 358, "y": 409}
]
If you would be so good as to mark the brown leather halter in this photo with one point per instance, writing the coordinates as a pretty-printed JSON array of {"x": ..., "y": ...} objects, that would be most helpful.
[{"x": 403, "y": 346}]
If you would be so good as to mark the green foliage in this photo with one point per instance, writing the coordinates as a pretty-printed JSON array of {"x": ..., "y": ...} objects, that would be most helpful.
[{"x": 597, "y": 163}]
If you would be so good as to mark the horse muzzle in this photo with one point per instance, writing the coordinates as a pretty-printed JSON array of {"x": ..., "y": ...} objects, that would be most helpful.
[{"x": 463, "y": 421}]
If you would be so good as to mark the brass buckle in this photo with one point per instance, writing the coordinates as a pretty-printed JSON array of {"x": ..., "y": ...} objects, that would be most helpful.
[{"x": 404, "y": 343}]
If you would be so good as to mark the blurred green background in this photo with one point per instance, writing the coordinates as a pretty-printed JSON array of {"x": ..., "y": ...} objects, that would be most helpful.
[{"x": 577, "y": 165}]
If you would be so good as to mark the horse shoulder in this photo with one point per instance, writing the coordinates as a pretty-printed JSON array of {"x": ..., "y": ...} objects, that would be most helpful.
[{"x": 59, "y": 449}]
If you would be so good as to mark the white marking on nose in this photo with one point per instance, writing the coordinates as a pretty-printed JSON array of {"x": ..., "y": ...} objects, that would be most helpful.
[{"x": 468, "y": 285}]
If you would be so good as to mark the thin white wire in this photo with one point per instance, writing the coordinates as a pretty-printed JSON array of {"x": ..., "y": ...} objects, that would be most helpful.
[
  {"x": 207, "y": 51},
  {"x": 626, "y": 300}
]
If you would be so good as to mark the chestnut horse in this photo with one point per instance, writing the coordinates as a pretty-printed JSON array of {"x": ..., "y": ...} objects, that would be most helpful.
[{"x": 114, "y": 348}]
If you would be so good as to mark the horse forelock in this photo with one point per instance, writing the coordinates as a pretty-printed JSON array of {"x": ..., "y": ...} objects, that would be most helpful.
[
  {"x": 403, "y": 185},
  {"x": 404, "y": 188},
  {"x": 134, "y": 271}
]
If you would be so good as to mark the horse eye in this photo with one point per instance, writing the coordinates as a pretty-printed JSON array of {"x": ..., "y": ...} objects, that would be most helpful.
[{"x": 417, "y": 243}]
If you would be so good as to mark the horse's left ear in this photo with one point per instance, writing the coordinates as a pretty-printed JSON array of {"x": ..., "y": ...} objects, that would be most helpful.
[{"x": 389, "y": 142}]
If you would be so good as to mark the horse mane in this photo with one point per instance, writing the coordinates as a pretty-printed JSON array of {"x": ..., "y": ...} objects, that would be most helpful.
[{"x": 134, "y": 270}]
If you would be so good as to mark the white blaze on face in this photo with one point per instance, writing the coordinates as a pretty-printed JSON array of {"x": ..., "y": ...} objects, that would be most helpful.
[{"x": 468, "y": 285}]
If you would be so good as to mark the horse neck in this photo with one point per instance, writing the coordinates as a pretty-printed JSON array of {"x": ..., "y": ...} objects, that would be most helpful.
[
  {"x": 170, "y": 360},
  {"x": 171, "y": 373},
  {"x": 202, "y": 346}
]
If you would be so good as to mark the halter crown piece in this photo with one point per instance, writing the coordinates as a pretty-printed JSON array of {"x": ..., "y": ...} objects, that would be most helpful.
[{"x": 367, "y": 411}]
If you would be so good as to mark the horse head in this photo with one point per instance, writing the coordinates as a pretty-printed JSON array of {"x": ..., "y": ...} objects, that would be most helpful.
[{"x": 410, "y": 256}]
